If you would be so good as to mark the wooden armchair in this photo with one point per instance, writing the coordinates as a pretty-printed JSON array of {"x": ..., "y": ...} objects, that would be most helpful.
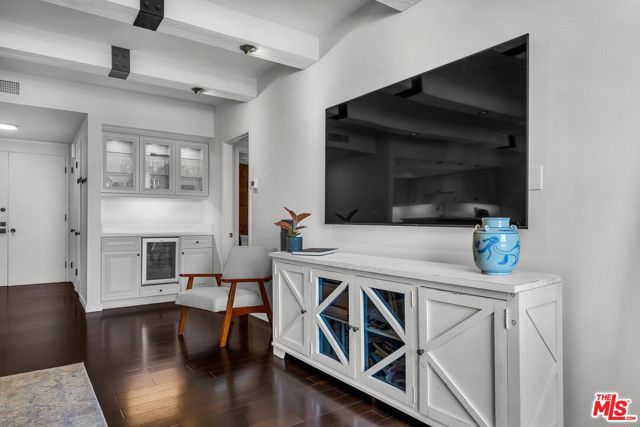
[{"x": 241, "y": 289}]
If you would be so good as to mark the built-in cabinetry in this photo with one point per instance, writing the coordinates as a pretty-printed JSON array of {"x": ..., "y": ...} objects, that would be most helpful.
[
  {"x": 196, "y": 256},
  {"x": 122, "y": 267},
  {"x": 443, "y": 343},
  {"x": 154, "y": 165}
]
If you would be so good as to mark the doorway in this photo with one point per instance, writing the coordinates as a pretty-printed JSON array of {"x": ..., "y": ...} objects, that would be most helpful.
[
  {"x": 34, "y": 199},
  {"x": 242, "y": 195},
  {"x": 237, "y": 193}
]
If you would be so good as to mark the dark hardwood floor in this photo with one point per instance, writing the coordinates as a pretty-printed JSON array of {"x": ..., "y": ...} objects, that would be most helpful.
[{"x": 143, "y": 374}]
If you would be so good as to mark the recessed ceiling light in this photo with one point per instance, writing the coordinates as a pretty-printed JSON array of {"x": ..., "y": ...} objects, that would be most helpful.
[
  {"x": 248, "y": 48},
  {"x": 8, "y": 126},
  {"x": 483, "y": 112},
  {"x": 413, "y": 133}
]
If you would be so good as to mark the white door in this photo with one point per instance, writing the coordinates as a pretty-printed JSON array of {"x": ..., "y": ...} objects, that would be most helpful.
[
  {"x": 463, "y": 370},
  {"x": 4, "y": 206},
  {"x": 333, "y": 342},
  {"x": 290, "y": 307},
  {"x": 387, "y": 362},
  {"x": 37, "y": 226},
  {"x": 74, "y": 218},
  {"x": 196, "y": 260}
]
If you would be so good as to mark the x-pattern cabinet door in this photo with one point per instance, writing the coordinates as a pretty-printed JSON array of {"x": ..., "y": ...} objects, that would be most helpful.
[
  {"x": 387, "y": 361},
  {"x": 290, "y": 307},
  {"x": 463, "y": 370},
  {"x": 332, "y": 299}
]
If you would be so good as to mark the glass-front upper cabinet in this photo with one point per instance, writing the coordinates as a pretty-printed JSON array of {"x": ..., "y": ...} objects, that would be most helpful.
[
  {"x": 192, "y": 169},
  {"x": 120, "y": 158},
  {"x": 157, "y": 166}
]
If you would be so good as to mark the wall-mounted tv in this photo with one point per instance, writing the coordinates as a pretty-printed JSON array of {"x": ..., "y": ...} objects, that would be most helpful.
[{"x": 444, "y": 148}]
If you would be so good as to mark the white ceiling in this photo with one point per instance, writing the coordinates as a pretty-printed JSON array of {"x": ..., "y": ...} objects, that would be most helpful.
[
  {"x": 40, "y": 124},
  {"x": 72, "y": 23},
  {"x": 309, "y": 16},
  {"x": 196, "y": 45}
]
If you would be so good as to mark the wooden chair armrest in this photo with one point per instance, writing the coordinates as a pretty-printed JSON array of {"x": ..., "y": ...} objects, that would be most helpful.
[
  {"x": 201, "y": 274},
  {"x": 193, "y": 276},
  {"x": 251, "y": 280}
]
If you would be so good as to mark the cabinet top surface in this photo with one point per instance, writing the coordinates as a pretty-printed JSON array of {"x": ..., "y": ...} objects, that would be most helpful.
[{"x": 453, "y": 274}]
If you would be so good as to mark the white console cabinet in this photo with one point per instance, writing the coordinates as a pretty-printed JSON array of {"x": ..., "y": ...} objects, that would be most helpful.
[{"x": 441, "y": 342}]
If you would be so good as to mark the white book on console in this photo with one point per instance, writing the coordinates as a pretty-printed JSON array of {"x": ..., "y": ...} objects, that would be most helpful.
[{"x": 316, "y": 251}]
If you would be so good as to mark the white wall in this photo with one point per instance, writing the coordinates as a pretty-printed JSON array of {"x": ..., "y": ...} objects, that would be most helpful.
[
  {"x": 112, "y": 107},
  {"x": 584, "y": 130}
]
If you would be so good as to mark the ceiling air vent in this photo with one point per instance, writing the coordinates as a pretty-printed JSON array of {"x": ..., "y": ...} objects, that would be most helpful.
[{"x": 10, "y": 87}]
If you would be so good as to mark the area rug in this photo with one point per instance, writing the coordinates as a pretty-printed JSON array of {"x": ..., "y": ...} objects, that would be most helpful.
[{"x": 60, "y": 396}]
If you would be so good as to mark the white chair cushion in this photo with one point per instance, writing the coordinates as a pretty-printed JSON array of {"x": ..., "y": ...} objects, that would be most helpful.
[{"x": 215, "y": 298}]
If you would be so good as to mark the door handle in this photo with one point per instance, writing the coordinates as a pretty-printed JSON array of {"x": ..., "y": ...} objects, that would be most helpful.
[
  {"x": 73, "y": 230},
  {"x": 13, "y": 230},
  {"x": 3, "y": 209},
  {"x": 77, "y": 234},
  {"x": 420, "y": 352}
]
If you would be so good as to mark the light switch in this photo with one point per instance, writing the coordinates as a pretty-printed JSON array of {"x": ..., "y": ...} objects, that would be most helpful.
[
  {"x": 535, "y": 178},
  {"x": 254, "y": 185}
]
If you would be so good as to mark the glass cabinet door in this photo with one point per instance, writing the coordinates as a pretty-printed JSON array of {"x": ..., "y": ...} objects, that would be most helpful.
[
  {"x": 192, "y": 165},
  {"x": 120, "y": 163},
  {"x": 386, "y": 362},
  {"x": 157, "y": 166},
  {"x": 332, "y": 329}
]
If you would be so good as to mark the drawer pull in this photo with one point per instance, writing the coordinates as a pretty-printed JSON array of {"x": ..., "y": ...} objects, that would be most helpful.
[{"x": 303, "y": 311}]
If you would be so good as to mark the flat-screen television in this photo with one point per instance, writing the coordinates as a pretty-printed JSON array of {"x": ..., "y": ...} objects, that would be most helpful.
[{"x": 444, "y": 148}]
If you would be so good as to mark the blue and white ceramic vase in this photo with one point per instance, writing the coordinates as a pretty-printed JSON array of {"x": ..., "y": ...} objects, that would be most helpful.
[
  {"x": 294, "y": 244},
  {"x": 496, "y": 246}
]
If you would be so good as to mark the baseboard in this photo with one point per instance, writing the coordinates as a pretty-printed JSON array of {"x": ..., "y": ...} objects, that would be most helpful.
[
  {"x": 138, "y": 301},
  {"x": 82, "y": 301}
]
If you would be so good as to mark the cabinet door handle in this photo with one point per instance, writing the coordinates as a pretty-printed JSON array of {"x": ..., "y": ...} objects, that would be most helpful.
[
  {"x": 303, "y": 311},
  {"x": 13, "y": 230},
  {"x": 420, "y": 352},
  {"x": 138, "y": 254},
  {"x": 182, "y": 253},
  {"x": 355, "y": 328}
]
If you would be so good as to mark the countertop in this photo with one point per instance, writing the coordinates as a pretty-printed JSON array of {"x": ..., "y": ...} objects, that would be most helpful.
[
  {"x": 453, "y": 274},
  {"x": 168, "y": 230}
]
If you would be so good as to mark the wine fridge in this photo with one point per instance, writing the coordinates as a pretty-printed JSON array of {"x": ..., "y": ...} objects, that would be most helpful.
[{"x": 160, "y": 260}]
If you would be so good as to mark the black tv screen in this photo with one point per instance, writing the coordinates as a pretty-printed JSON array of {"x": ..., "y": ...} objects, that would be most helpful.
[{"x": 446, "y": 147}]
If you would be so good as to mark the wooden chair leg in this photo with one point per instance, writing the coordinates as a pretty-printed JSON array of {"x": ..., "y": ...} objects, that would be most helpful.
[
  {"x": 183, "y": 321},
  {"x": 265, "y": 302},
  {"x": 228, "y": 316}
]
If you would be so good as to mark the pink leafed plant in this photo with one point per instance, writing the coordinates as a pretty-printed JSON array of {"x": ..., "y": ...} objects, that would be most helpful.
[{"x": 293, "y": 229}]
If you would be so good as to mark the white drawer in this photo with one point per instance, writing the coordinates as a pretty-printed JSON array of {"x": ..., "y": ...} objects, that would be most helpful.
[
  {"x": 121, "y": 244},
  {"x": 190, "y": 242},
  {"x": 153, "y": 290}
]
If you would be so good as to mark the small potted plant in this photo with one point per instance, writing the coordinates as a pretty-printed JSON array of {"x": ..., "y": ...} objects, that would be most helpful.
[{"x": 294, "y": 240}]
